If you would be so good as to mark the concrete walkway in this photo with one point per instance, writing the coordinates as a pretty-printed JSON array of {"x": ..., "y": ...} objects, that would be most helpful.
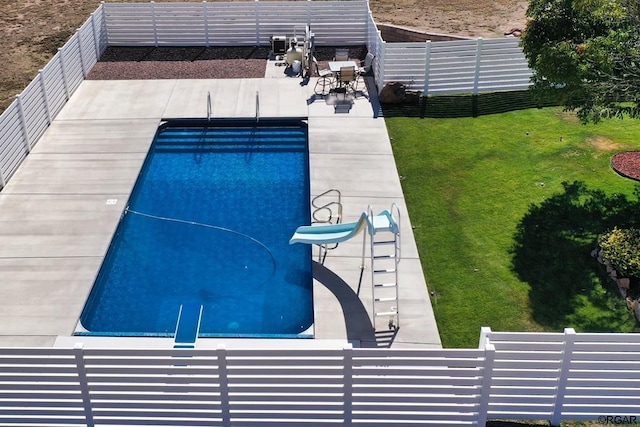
[{"x": 60, "y": 209}]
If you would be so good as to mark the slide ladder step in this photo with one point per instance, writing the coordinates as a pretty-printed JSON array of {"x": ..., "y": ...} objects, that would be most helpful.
[
  {"x": 384, "y": 242},
  {"x": 385, "y": 285},
  {"x": 387, "y": 313}
]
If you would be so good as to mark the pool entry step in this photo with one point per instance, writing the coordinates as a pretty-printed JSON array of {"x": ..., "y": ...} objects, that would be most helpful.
[{"x": 188, "y": 326}]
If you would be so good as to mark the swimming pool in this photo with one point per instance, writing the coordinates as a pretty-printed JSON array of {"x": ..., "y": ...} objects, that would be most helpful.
[{"x": 208, "y": 223}]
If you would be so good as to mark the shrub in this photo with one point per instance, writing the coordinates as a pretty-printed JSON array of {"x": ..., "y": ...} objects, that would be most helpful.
[{"x": 621, "y": 248}]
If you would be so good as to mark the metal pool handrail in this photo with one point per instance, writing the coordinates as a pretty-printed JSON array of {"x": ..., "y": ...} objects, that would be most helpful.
[{"x": 257, "y": 106}]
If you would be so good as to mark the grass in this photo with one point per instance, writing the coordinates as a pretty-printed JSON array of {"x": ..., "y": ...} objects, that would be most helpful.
[{"x": 506, "y": 209}]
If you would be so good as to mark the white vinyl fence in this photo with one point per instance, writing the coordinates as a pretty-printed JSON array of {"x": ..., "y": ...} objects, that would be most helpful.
[
  {"x": 334, "y": 23},
  {"x": 526, "y": 376},
  {"x": 460, "y": 66},
  {"x": 566, "y": 376},
  {"x": 26, "y": 119}
]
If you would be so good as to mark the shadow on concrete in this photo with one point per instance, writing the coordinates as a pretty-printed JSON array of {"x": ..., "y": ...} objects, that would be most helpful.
[{"x": 356, "y": 318}]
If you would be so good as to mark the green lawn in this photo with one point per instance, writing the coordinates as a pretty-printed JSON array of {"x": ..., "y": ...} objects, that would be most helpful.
[{"x": 506, "y": 209}]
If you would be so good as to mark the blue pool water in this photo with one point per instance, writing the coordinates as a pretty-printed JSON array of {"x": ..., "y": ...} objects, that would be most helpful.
[{"x": 208, "y": 223}]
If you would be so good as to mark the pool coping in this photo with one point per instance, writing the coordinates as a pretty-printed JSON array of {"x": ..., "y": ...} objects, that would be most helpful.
[{"x": 57, "y": 214}]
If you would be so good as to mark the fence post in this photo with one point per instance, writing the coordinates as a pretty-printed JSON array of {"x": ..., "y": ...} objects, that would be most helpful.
[
  {"x": 347, "y": 378},
  {"x": 96, "y": 41},
  {"x": 381, "y": 64},
  {"x": 485, "y": 335},
  {"x": 567, "y": 354},
  {"x": 257, "y": 6},
  {"x": 223, "y": 378},
  {"x": 45, "y": 96},
  {"x": 23, "y": 123},
  {"x": 81, "y": 54},
  {"x": 205, "y": 16},
  {"x": 487, "y": 379},
  {"x": 427, "y": 68},
  {"x": 155, "y": 23},
  {"x": 104, "y": 18},
  {"x": 84, "y": 385},
  {"x": 476, "y": 76},
  {"x": 63, "y": 68}
]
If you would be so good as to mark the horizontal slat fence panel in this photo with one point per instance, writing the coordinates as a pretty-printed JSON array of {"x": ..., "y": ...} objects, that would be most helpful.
[
  {"x": 163, "y": 388},
  {"x": 13, "y": 144},
  {"x": 233, "y": 23},
  {"x": 285, "y": 376},
  {"x": 54, "y": 84},
  {"x": 603, "y": 376},
  {"x": 129, "y": 24},
  {"x": 430, "y": 386},
  {"x": 230, "y": 24},
  {"x": 34, "y": 109},
  {"x": 527, "y": 376},
  {"x": 526, "y": 369},
  {"x": 74, "y": 71},
  {"x": 460, "y": 66},
  {"x": 40, "y": 386}
]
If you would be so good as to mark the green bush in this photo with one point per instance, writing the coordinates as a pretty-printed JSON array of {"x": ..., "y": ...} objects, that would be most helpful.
[{"x": 621, "y": 248}]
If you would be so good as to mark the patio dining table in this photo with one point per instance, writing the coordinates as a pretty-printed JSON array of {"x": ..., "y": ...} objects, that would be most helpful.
[{"x": 335, "y": 66}]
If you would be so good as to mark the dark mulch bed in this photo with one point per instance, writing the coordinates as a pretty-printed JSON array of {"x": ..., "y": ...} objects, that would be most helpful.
[
  {"x": 627, "y": 164},
  {"x": 228, "y": 62}
]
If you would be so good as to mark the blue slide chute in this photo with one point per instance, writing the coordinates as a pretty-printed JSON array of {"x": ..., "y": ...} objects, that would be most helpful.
[{"x": 327, "y": 234}]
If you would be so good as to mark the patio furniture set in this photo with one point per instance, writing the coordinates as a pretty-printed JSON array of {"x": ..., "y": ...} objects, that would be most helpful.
[{"x": 342, "y": 75}]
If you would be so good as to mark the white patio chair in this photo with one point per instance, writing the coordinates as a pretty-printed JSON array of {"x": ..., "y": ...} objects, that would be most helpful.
[{"x": 364, "y": 68}]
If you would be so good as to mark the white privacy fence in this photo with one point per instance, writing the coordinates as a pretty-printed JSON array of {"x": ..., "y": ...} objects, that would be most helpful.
[
  {"x": 564, "y": 376},
  {"x": 334, "y": 23},
  {"x": 26, "y": 119},
  {"x": 526, "y": 376},
  {"x": 460, "y": 66}
]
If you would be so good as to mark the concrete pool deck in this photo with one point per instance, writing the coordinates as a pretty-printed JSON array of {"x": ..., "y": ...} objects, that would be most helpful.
[{"x": 60, "y": 209}]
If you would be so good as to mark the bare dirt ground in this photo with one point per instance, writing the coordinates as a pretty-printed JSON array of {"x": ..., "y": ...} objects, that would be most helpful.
[{"x": 33, "y": 30}]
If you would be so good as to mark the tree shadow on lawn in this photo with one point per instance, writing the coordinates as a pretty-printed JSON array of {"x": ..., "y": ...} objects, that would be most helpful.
[{"x": 552, "y": 253}]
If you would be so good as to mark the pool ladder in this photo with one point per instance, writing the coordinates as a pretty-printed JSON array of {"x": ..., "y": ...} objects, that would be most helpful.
[
  {"x": 327, "y": 209},
  {"x": 385, "y": 244},
  {"x": 208, "y": 106}
]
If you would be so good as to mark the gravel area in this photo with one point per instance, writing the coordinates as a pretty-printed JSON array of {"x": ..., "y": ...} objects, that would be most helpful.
[{"x": 142, "y": 63}]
